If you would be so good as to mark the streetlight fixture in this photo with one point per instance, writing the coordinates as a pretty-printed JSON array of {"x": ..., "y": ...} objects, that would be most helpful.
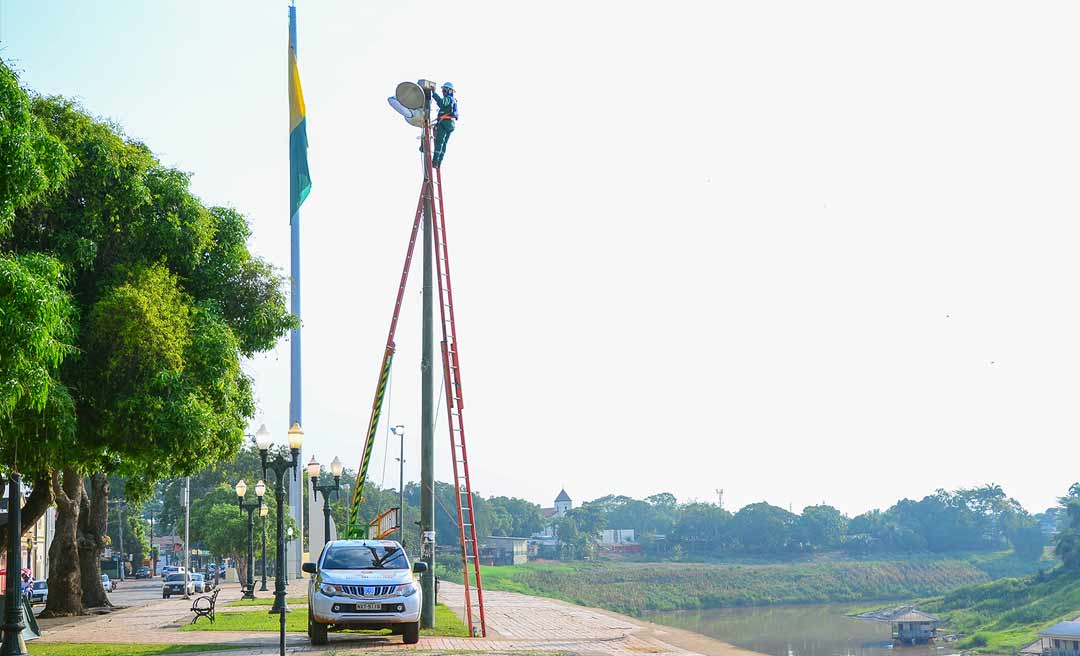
[
  {"x": 263, "y": 512},
  {"x": 281, "y": 465},
  {"x": 399, "y": 430},
  {"x": 13, "y": 644},
  {"x": 241, "y": 491},
  {"x": 313, "y": 470}
]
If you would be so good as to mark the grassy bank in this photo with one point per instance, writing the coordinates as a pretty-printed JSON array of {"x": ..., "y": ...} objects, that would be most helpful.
[
  {"x": 1003, "y": 616},
  {"x": 640, "y": 586}
]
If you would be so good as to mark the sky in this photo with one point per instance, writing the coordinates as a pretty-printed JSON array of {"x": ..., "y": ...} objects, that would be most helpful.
[{"x": 799, "y": 252}]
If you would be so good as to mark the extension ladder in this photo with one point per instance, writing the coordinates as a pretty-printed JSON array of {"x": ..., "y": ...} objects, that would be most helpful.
[
  {"x": 455, "y": 404},
  {"x": 432, "y": 195}
]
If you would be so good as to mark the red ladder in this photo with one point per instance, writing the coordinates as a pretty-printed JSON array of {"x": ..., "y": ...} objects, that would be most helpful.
[{"x": 470, "y": 556}]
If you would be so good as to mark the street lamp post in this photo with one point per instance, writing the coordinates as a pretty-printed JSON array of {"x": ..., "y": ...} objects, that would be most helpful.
[
  {"x": 313, "y": 469},
  {"x": 241, "y": 490},
  {"x": 13, "y": 644},
  {"x": 281, "y": 466},
  {"x": 263, "y": 512},
  {"x": 399, "y": 430}
]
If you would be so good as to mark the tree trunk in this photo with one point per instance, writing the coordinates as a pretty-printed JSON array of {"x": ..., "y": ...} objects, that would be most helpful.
[
  {"x": 65, "y": 585},
  {"x": 41, "y": 497},
  {"x": 93, "y": 522}
]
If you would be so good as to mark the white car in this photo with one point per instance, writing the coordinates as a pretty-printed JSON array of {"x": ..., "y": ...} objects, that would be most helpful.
[
  {"x": 39, "y": 593},
  {"x": 201, "y": 584},
  {"x": 364, "y": 584},
  {"x": 174, "y": 584}
]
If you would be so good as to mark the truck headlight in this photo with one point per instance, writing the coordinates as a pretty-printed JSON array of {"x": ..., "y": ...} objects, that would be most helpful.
[
  {"x": 407, "y": 590},
  {"x": 329, "y": 589}
]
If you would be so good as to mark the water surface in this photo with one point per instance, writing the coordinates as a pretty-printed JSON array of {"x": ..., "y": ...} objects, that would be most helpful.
[{"x": 803, "y": 630}]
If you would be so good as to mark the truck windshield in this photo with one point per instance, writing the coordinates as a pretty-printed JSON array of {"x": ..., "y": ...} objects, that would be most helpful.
[{"x": 365, "y": 557}]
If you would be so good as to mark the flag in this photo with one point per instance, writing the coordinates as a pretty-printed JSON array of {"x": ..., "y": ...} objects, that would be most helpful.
[{"x": 299, "y": 176}]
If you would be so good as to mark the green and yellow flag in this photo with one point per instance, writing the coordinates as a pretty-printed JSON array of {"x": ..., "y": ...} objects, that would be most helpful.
[{"x": 299, "y": 176}]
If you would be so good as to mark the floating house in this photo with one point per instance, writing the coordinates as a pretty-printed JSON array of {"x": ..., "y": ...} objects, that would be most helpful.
[
  {"x": 1062, "y": 639},
  {"x": 914, "y": 627}
]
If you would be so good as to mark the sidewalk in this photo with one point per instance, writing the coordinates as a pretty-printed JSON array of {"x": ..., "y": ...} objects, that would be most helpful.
[{"x": 517, "y": 624}]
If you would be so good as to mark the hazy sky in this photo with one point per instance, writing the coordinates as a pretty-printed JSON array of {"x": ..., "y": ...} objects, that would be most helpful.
[{"x": 800, "y": 251}]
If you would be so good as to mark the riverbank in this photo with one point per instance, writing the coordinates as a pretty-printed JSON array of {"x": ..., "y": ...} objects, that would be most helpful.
[
  {"x": 638, "y": 587},
  {"x": 519, "y": 622},
  {"x": 1004, "y": 616}
]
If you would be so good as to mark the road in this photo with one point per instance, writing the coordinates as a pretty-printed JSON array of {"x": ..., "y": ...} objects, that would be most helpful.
[{"x": 135, "y": 592}]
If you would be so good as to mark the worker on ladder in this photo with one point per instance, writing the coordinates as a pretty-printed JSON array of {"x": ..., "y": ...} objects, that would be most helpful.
[{"x": 447, "y": 116}]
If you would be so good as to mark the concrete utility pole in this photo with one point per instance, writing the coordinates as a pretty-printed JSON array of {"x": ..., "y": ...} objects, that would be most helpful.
[
  {"x": 427, "y": 394},
  {"x": 123, "y": 554},
  {"x": 187, "y": 532}
]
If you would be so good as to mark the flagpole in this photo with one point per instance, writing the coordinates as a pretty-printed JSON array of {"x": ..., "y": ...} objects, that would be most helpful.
[{"x": 296, "y": 498}]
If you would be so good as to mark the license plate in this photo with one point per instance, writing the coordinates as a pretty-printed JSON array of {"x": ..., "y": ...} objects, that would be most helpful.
[{"x": 368, "y": 606}]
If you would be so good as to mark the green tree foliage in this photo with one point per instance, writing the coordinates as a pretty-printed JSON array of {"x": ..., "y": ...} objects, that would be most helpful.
[
  {"x": 822, "y": 526},
  {"x": 218, "y": 524},
  {"x": 167, "y": 299}
]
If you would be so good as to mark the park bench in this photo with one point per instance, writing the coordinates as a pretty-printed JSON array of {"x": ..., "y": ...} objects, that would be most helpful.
[{"x": 204, "y": 606}]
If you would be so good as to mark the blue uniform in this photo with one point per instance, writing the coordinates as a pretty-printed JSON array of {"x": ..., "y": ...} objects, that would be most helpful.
[{"x": 447, "y": 117}]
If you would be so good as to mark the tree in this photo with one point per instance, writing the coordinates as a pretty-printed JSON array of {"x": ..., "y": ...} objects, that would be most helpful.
[
  {"x": 169, "y": 298},
  {"x": 763, "y": 528},
  {"x": 822, "y": 527},
  {"x": 219, "y": 524},
  {"x": 701, "y": 527}
]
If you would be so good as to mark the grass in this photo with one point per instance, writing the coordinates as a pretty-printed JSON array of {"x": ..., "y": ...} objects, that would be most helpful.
[
  {"x": 268, "y": 601},
  {"x": 115, "y": 649},
  {"x": 636, "y": 587},
  {"x": 447, "y": 623},
  {"x": 1003, "y": 616}
]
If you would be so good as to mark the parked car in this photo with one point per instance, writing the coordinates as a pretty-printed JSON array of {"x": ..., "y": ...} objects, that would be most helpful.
[
  {"x": 174, "y": 584},
  {"x": 143, "y": 572},
  {"x": 39, "y": 592},
  {"x": 364, "y": 584},
  {"x": 202, "y": 584},
  {"x": 107, "y": 583}
]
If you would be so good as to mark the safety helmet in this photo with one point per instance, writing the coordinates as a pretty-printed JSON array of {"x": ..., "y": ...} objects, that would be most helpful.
[{"x": 448, "y": 86}]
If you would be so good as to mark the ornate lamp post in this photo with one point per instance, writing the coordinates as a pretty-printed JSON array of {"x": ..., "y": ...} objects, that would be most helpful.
[
  {"x": 281, "y": 465},
  {"x": 241, "y": 490},
  {"x": 313, "y": 469},
  {"x": 263, "y": 512},
  {"x": 13, "y": 644}
]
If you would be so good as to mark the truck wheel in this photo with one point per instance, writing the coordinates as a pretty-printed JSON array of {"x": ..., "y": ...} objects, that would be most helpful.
[
  {"x": 411, "y": 633},
  {"x": 316, "y": 632}
]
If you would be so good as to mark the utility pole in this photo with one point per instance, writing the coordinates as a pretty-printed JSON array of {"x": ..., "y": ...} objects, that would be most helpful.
[
  {"x": 720, "y": 494},
  {"x": 427, "y": 395},
  {"x": 187, "y": 533},
  {"x": 123, "y": 554},
  {"x": 153, "y": 560}
]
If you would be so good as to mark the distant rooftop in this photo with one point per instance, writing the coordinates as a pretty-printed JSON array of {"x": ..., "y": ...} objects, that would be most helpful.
[
  {"x": 1069, "y": 630},
  {"x": 563, "y": 496},
  {"x": 914, "y": 616}
]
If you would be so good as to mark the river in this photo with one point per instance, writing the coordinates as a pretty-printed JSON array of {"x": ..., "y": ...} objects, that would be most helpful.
[{"x": 803, "y": 630}]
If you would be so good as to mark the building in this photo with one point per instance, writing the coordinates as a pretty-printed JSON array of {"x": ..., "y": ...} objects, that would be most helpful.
[
  {"x": 618, "y": 540},
  {"x": 563, "y": 505},
  {"x": 914, "y": 627},
  {"x": 36, "y": 541},
  {"x": 1062, "y": 639},
  {"x": 498, "y": 550}
]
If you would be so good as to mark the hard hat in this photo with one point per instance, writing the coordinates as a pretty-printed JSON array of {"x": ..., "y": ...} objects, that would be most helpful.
[{"x": 448, "y": 85}]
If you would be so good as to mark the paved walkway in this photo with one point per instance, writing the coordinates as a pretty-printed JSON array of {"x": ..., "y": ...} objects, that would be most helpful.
[{"x": 516, "y": 624}]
